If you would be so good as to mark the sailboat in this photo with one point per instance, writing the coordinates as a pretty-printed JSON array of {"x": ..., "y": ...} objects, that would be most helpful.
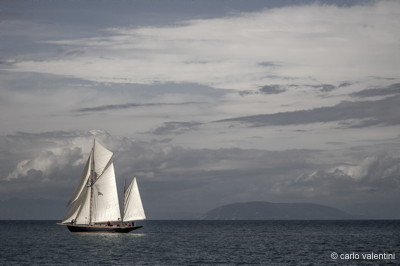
[{"x": 94, "y": 206}]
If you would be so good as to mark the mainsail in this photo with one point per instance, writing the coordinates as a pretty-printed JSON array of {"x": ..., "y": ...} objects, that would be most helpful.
[
  {"x": 105, "y": 198},
  {"x": 133, "y": 207},
  {"x": 95, "y": 198}
]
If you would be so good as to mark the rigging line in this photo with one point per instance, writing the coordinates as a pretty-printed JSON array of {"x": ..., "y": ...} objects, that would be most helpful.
[{"x": 123, "y": 203}]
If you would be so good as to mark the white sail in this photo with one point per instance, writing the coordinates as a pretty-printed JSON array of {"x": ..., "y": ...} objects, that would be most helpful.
[
  {"x": 80, "y": 208},
  {"x": 133, "y": 207},
  {"x": 101, "y": 157},
  {"x": 83, "y": 215},
  {"x": 105, "y": 197},
  {"x": 83, "y": 180}
]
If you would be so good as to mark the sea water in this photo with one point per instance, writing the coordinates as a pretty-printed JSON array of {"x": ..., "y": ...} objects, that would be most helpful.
[{"x": 205, "y": 243}]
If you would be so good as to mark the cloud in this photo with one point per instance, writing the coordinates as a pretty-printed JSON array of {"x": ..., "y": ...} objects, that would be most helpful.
[
  {"x": 271, "y": 89},
  {"x": 129, "y": 105},
  {"x": 70, "y": 52},
  {"x": 46, "y": 163},
  {"x": 389, "y": 90},
  {"x": 7, "y": 63},
  {"x": 372, "y": 176},
  {"x": 44, "y": 102},
  {"x": 235, "y": 52},
  {"x": 325, "y": 87},
  {"x": 380, "y": 112},
  {"x": 49, "y": 164},
  {"x": 198, "y": 177},
  {"x": 175, "y": 128},
  {"x": 273, "y": 56},
  {"x": 345, "y": 84},
  {"x": 266, "y": 89},
  {"x": 48, "y": 154}
]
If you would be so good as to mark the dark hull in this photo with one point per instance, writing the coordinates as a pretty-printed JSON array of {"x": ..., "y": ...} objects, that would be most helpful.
[{"x": 101, "y": 229}]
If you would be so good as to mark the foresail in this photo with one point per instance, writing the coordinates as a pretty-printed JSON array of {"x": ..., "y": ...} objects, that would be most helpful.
[
  {"x": 101, "y": 157},
  {"x": 79, "y": 210},
  {"x": 83, "y": 215},
  {"x": 133, "y": 207},
  {"x": 105, "y": 197},
  {"x": 83, "y": 180}
]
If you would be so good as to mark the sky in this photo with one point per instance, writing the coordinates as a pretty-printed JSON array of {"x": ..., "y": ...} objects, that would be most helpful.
[{"x": 205, "y": 102}]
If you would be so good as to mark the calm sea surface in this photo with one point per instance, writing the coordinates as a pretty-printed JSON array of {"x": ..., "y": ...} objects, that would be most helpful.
[{"x": 204, "y": 243}]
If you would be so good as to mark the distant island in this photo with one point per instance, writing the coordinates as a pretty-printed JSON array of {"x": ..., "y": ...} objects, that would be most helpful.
[{"x": 259, "y": 210}]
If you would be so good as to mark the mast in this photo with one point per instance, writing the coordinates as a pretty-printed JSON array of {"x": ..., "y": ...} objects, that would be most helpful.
[
  {"x": 123, "y": 203},
  {"x": 91, "y": 182}
]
